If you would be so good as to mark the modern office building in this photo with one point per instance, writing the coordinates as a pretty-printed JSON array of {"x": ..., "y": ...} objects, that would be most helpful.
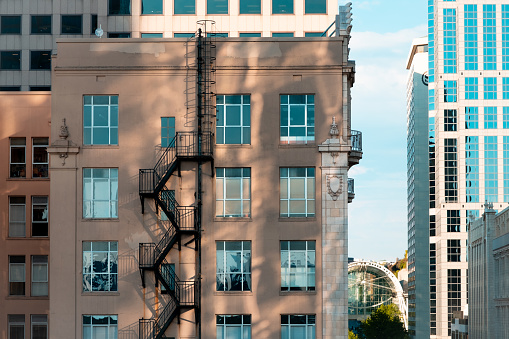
[
  {"x": 28, "y": 29},
  {"x": 24, "y": 198},
  {"x": 468, "y": 59},
  {"x": 200, "y": 187},
  {"x": 418, "y": 152}
]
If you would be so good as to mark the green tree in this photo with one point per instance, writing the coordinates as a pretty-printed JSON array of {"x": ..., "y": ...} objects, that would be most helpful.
[
  {"x": 384, "y": 323},
  {"x": 352, "y": 335}
]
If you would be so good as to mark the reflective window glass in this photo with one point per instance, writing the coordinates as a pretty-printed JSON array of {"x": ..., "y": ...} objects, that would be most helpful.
[
  {"x": 41, "y": 24},
  {"x": 282, "y": 6},
  {"x": 217, "y": 6},
  {"x": 151, "y": 6},
  {"x": 184, "y": 7},
  {"x": 250, "y": 7},
  {"x": 10, "y": 24},
  {"x": 71, "y": 24}
]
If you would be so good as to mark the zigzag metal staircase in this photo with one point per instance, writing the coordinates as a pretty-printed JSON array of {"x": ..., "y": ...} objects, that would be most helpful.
[{"x": 182, "y": 220}]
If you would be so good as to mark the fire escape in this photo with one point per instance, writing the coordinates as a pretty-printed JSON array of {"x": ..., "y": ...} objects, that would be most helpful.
[{"x": 183, "y": 221}]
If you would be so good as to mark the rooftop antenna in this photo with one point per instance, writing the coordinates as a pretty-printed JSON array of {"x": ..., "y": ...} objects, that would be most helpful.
[{"x": 99, "y": 31}]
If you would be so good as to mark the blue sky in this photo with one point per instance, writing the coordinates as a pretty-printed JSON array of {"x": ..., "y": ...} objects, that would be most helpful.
[{"x": 381, "y": 38}]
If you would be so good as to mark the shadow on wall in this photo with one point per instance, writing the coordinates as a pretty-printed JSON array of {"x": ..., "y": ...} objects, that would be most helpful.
[{"x": 129, "y": 332}]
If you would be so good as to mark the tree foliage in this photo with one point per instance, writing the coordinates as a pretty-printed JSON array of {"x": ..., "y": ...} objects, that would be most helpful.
[
  {"x": 384, "y": 323},
  {"x": 352, "y": 335}
]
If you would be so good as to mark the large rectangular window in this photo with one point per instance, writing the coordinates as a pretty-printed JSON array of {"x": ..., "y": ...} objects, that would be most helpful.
[
  {"x": 453, "y": 294},
  {"x": 39, "y": 326},
  {"x": 233, "y": 119},
  {"x": 297, "y": 119},
  {"x": 431, "y": 159},
  {"x": 40, "y": 157},
  {"x": 298, "y": 326},
  {"x": 10, "y": 24},
  {"x": 315, "y": 7},
  {"x": 450, "y": 91},
  {"x": 489, "y": 37},
  {"x": 72, "y": 24},
  {"x": 167, "y": 131},
  {"x": 16, "y": 275},
  {"x": 217, "y": 6},
  {"x": 100, "y": 326},
  {"x": 472, "y": 168},
  {"x": 505, "y": 117},
  {"x": 16, "y": 326},
  {"x": 282, "y": 6},
  {"x": 233, "y": 326},
  {"x": 184, "y": 7},
  {"x": 449, "y": 27},
  {"x": 450, "y": 120},
  {"x": 17, "y": 217},
  {"x": 506, "y": 167},
  {"x": 100, "y": 193},
  {"x": 505, "y": 37},
  {"x": 282, "y": 35},
  {"x": 122, "y": 35},
  {"x": 490, "y": 88},
  {"x": 250, "y": 35},
  {"x": 451, "y": 170},
  {"x": 10, "y": 60},
  {"x": 298, "y": 265},
  {"x": 470, "y": 30},
  {"x": 297, "y": 192},
  {"x": 100, "y": 266},
  {"x": 233, "y": 266},
  {"x": 453, "y": 220},
  {"x": 505, "y": 88},
  {"x": 41, "y": 24},
  {"x": 17, "y": 159},
  {"x": 471, "y": 117},
  {"x": 39, "y": 216},
  {"x": 490, "y": 169},
  {"x": 39, "y": 275},
  {"x": 233, "y": 192},
  {"x": 453, "y": 250},
  {"x": 151, "y": 6},
  {"x": 490, "y": 117},
  {"x": 100, "y": 120},
  {"x": 250, "y": 7},
  {"x": 40, "y": 60},
  {"x": 119, "y": 7},
  {"x": 471, "y": 89}
]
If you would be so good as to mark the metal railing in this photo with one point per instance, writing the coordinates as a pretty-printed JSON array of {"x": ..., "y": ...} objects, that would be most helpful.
[{"x": 356, "y": 139}]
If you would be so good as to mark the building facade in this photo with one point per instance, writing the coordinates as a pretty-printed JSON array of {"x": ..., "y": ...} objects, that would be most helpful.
[
  {"x": 28, "y": 32},
  {"x": 24, "y": 199},
  {"x": 202, "y": 187}
]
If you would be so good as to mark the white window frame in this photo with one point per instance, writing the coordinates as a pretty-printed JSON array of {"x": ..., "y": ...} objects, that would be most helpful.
[
  {"x": 22, "y": 224},
  {"x": 88, "y": 265},
  {"x": 224, "y": 276},
  {"x": 308, "y": 125},
  {"x": 43, "y": 264},
  {"x": 13, "y": 146},
  {"x": 38, "y": 322},
  {"x": 223, "y": 325},
  {"x": 309, "y": 326},
  {"x": 287, "y": 197},
  {"x": 225, "y": 203},
  {"x": 111, "y": 326},
  {"x": 44, "y": 163},
  {"x": 44, "y": 213},
  {"x": 91, "y": 209},
  {"x": 12, "y": 279},
  {"x": 89, "y": 107},
  {"x": 293, "y": 270},
  {"x": 222, "y": 125}
]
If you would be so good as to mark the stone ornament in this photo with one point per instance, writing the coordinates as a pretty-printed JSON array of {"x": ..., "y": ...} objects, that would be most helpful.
[
  {"x": 64, "y": 131},
  {"x": 334, "y": 131},
  {"x": 334, "y": 186}
]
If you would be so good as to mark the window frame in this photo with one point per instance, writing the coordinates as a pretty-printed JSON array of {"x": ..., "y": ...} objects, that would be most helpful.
[
  {"x": 245, "y": 325},
  {"x": 317, "y": 12},
  {"x": 183, "y": 12},
  {"x": 22, "y": 266},
  {"x": 309, "y": 268},
  {"x": 12, "y": 323},
  {"x": 40, "y": 222},
  {"x": 210, "y": 2},
  {"x": 21, "y": 166},
  {"x": 241, "y": 5},
  {"x": 24, "y": 223},
  {"x": 120, "y": 4},
  {"x": 168, "y": 132},
  {"x": 453, "y": 250},
  {"x": 112, "y": 203},
  {"x": 69, "y": 16},
  {"x": 275, "y": 3},
  {"x": 225, "y": 175},
  {"x": 35, "y": 258},
  {"x": 34, "y": 17},
  {"x": 245, "y": 273},
  {"x": 11, "y": 16},
  {"x": 224, "y": 103},
  {"x": 162, "y": 8},
  {"x": 91, "y": 113},
  {"x": 88, "y": 266},
  {"x": 285, "y": 116},
  {"x": 112, "y": 325},
  {"x": 309, "y": 325},
  {"x": 40, "y": 323},
  {"x": 42, "y": 65},
  {"x": 310, "y": 173},
  {"x": 10, "y": 54},
  {"x": 42, "y": 142},
  {"x": 490, "y": 88}
]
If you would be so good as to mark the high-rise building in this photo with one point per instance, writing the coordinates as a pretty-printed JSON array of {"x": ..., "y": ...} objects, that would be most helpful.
[
  {"x": 468, "y": 44},
  {"x": 28, "y": 29},
  {"x": 200, "y": 188}
]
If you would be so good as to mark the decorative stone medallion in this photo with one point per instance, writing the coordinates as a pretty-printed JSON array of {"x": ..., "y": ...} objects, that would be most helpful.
[{"x": 334, "y": 186}]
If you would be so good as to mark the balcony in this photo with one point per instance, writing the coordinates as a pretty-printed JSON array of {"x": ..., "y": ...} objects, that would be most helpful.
[
  {"x": 351, "y": 190},
  {"x": 355, "y": 154}
]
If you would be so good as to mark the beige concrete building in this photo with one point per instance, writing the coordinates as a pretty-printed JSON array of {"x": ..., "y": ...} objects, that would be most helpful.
[
  {"x": 24, "y": 199},
  {"x": 28, "y": 29},
  {"x": 199, "y": 187}
]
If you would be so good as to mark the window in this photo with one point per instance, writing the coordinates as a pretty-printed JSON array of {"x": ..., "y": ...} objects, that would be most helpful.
[
  {"x": 471, "y": 88},
  {"x": 17, "y": 275},
  {"x": 453, "y": 293},
  {"x": 183, "y": 35},
  {"x": 217, "y": 6},
  {"x": 250, "y": 7},
  {"x": 217, "y": 35},
  {"x": 451, "y": 170},
  {"x": 40, "y": 157},
  {"x": 505, "y": 163},
  {"x": 490, "y": 117},
  {"x": 470, "y": 30},
  {"x": 489, "y": 37},
  {"x": 100, "y": 266},
  {"x": 168, "y": 270},
  {"x": 471, "y": 117},
  {"x": 505, "y": 111},
  {"x": 233, "y": 119},
  {"x": 233, "y": 326},
  {"x": 41, "y": 24},
  {"x": 100, "y": 193},
  {"x": 472, "y": 169},
  {"x": 119, "y": 7},
  {"x": 40, "y": 88},
  {"x": 167, "y": 131},
  {"x": 297, "y": 265},
  {"x": 151, "y": 35},
  {"x": 10, "y": 88},
  {"x": 505, "y": 37},
  {"x": 449, "y": 30},
  {"x": 39, "y": 275},
  {"x": 450, "y": 91},
  {"x": 39, "y": 216},
  {"x": 100, "y": 326},
  {"x": 18, "y": 158},
  {"x": 233, "y": 192},
  {"x": 453, "y": 220},
  {"x": 16, "y": 326},
  {"x": 119, "y": 35},
  {"x": 450, "y": 120},
  {"x": 40, "y": 60},
  {"x": 151, "y": 6},
  {"x": 184, "y": 7},
  {"x": 505, "y": 88},
  {"x": 490, "y": 169},
  {"x": 297, "y": 192},
  {"x": 282, "y": 6},
  {"x": 233, "y": 265},
  {"x": 432, "y": 226},
  {"x": 39, "y": 326},
  {"x": 100, "y": 120},
  {"x": 250, "y": 35},
  {"x": 93, "y": 23},
  {"x": 298, "y": 326},
  {"x": 313, "y": 34},
  {"x": 297, "y": 119},
  {"x": 490, "y": 88},
  {"x": 10, "y": 24},
  {"x": 282, "y": 35},
  {"x": 453, "y": 250},
  {"x": 316, "y": 7},
  {"x": 71, "y": 24},
  {"x": 17, "y": 217},
  {"x": 10, "y": 60}
]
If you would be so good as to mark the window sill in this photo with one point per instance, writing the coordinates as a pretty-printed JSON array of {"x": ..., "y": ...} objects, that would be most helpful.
[
  {"x": 28, "y": 179},
  {"x": 101, "y": 146},
  {"x": 226, "y": 146},
  {"x": 293, "y": 293},
  {"x": 101, "y": 294},
  {"x": 24, "y": 297},
  {"x": 296, "y": 219},
  {"x": 296, "y": 145},
  {"x": 224, "y": 293},
  {"x": 99, "y": 219},
  {"x": 232, "y": 219},
  {"x": 27, "y": 238}
]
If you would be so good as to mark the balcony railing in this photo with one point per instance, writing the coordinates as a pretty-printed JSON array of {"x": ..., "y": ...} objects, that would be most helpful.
[{"x": 356, "y": 138}]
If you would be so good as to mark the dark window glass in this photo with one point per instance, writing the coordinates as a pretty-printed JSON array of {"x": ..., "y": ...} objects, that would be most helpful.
[
  {"x": 250, "y": 35},
  {"x": 41, "y": 24},
  {"x": 151, "y": 35},
  {"x": 250, "y": 7},
  {"x": 282, "y": 6},
  {"x": 10, "y": 60},
  {"x": 40, "y": 88},
  {"x": 217, "y": 35},
  {"x": 40, "y": 59},
  {"x": 11, "y": 24},
  {"x": 316, "y": 7},
  {"x": 71, "y": 24},
  {"x": 183, "y": 35},
  {"x": 313, "y": 34},
  {"x": 119, "y": 7},
  {"x": 93, "y": 24},
  {"x": 119, "y": 35},
  {"x": 151, "y": 6},
  {"x": 282, "y": 35},
  {"x": 184, "y": 7},
  {"x": 217, "y": 6},
  {"x": 10, "y": 88}
]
